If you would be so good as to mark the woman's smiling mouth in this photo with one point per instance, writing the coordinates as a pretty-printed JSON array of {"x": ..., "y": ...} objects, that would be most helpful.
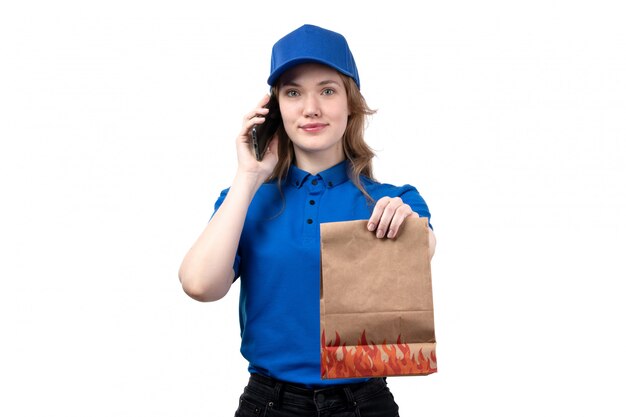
[{"x": 313, "y": 127}]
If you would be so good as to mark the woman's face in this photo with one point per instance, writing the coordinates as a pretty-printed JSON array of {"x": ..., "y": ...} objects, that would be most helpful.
[{"x": 314, "y": 108}]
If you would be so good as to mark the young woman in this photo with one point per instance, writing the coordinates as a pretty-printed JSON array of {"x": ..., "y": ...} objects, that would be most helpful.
[{"x": 265, "y": 229}]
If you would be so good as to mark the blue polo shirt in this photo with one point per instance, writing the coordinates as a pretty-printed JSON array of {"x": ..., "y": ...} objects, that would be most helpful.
[{"x": 278, "y": 262}]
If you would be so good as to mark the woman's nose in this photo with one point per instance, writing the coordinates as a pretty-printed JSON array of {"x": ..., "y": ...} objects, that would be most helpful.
[{"x": 311, "y": 106}]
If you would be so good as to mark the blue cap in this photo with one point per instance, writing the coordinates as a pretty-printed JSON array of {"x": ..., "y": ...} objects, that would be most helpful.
[{"x": 311, "y": 43}]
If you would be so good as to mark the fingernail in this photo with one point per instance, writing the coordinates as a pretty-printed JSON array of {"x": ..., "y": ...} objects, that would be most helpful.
[
  {"x": 391, "y": 234},
  {"x": 371, "y": 227},
  {"x": 380, "y": 234}
]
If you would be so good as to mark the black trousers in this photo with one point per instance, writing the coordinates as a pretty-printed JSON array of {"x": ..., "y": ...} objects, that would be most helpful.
[{"x": 268, "y": 397}]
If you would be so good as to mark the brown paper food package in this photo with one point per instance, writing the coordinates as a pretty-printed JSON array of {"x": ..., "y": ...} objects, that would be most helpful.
[{"x": 376, "y": 303}]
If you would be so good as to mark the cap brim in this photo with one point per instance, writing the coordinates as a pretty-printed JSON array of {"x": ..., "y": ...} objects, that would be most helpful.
[{"x": 274, "y": 76}]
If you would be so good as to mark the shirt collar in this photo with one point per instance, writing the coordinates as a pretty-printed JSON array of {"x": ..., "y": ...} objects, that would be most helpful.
[{"x": 331, "y": 177}]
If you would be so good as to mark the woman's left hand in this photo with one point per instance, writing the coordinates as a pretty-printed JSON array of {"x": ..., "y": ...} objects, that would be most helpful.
[{"x": 388, "y": 215}]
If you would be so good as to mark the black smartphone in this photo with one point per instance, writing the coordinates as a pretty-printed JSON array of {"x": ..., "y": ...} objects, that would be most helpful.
[{"x": 262, "y": 133}]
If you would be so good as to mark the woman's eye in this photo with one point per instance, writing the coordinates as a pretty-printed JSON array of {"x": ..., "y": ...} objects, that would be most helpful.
[
  {"x": 328, "y": 91},
  {"x": 292, "y": 93}
]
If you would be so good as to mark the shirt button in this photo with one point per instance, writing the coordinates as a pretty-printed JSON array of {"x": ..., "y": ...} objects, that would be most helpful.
[
  {"x": 314, "y": 182},
  {"x": 330, "y": 183},
  {"x": 309, "y": 221},
  {"x": 312, "y": 202},
  {"x": 297, "y": 182}
]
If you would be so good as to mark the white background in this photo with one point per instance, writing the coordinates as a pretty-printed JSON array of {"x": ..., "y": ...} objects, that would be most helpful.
[{"x": 117, "y": 122}]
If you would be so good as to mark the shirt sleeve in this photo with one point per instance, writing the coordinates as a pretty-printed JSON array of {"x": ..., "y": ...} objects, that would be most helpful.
[
  {"x": 218, "y": 203},
  {"x": 412, "y": 197}
]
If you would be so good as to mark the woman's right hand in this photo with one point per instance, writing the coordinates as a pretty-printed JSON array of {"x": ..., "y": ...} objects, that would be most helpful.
[{"x": 247, "y": 162}]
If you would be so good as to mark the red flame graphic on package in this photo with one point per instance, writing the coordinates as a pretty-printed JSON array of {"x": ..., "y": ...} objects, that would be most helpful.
[{"x": 368, "y": 359}]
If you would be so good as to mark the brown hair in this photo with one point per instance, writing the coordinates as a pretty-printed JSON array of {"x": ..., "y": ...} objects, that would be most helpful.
[{"x": 355, "y": 149}]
